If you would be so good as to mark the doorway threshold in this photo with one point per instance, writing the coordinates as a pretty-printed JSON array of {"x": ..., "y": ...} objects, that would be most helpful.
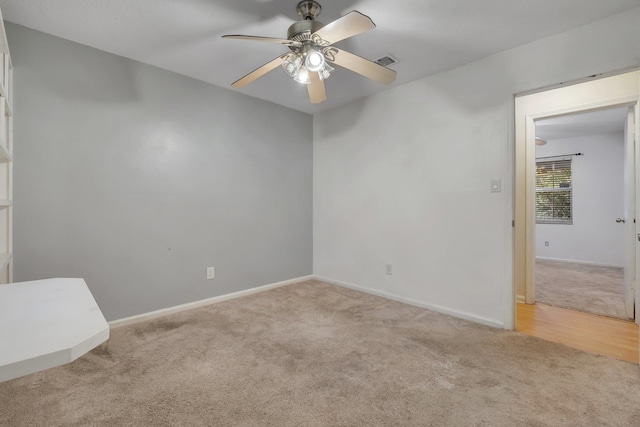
[{"x": 606, "y": 336}]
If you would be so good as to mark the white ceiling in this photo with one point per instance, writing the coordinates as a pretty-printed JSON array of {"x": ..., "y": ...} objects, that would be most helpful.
[
  {"x": 574, "y": 125},
  {"x": 427, "y": 36}
]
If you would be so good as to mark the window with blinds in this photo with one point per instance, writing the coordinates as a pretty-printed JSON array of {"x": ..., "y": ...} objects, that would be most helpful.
[{"x": 554, "y": 200}]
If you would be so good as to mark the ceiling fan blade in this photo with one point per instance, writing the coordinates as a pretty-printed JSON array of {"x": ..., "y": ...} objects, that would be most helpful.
[
  {"x": 263, "y": 39},
  {"x": 316, "y": 90},
  {"x": 259, "y": 72},
  {"x": 351, "y": 24},
  {"x": 364, "y": 67}
]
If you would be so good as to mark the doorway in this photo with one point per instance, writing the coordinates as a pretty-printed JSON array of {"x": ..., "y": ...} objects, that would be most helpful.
[
  {"x": 580, "y": 212},
  {"x": 559, "y": 324}
]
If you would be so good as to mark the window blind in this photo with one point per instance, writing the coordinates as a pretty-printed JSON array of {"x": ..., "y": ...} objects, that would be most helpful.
[{"x": 554, "y": 198}]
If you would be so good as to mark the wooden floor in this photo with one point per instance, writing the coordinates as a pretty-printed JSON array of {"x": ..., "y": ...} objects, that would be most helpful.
[{"x": 589, "y": 332}]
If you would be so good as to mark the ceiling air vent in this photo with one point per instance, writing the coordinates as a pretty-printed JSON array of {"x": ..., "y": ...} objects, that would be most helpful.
[{"x": 386, "y": 60}]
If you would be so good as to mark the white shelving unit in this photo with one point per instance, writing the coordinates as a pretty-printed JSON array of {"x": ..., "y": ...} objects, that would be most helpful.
[
  {"x": 6, "y": 159},
  {"x": 43, "y": 323},
  {"x": 47, "y": 323}
]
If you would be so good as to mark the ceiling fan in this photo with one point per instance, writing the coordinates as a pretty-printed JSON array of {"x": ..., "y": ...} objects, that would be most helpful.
[{"x": 312, "y": 51}]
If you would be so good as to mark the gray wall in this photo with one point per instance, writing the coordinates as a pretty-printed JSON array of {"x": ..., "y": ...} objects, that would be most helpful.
[
  {"x": 137, "y": 179},
  {"x": 404, "y": 177},
  {"x": 598, "y": 192}
]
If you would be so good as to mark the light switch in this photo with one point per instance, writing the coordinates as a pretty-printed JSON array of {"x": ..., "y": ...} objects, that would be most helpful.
[{"x": 496, "y": 185}]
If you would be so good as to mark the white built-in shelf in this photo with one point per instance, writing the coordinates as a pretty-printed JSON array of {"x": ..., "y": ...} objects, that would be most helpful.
[
  {"x": 4, "y": 46},
  {"x": 7, "y": 106},
  {"x": 7, "y": 101},
  {"x": 7, "y": 111},
  {"x": 5, "y": 259},
  {"x": 47, "y": 323},
  {"x": 5, "y": 155}
]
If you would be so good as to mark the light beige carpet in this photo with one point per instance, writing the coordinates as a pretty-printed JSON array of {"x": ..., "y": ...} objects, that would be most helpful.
[
  {"x": 581, "y": 287},
  {"x": 312, "y": 354}
]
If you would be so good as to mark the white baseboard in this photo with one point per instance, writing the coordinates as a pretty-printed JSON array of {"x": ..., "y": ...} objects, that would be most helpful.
[
  {"x": 521, "y": 298},
  {"x": 196, "y": 304},
  {"x": 573, "y": 261},
  {"x": 440, "y": 309}
]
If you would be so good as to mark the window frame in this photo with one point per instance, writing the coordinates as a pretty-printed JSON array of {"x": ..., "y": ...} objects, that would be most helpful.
[{"x": 550, "y": 190}]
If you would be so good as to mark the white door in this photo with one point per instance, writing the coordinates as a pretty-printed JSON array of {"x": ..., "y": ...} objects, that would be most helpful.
[
  {"x": 636, "y": 133},
  {"x": 631, "y": 239}
]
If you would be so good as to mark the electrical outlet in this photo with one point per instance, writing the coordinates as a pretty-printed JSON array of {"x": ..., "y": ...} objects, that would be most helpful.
[
  {"x": 388, "y": 269},
  {"x": 210, "y": 273},
  {"x": 546, "y": 243}
]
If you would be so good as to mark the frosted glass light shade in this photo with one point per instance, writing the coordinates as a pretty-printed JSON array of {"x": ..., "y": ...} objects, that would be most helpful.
[
  {"x": 292, "y": 65},
  {"x": 299, "y": 66},
  {"x": 314, "y": 61},
  {"x": 302, "y": 76},
  {"x": 325, "y": 71}
]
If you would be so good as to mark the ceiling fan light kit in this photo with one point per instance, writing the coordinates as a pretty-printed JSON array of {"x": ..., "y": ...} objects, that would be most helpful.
[
  {"x": 312, "y": 51},
  {"x": 315, "y": 60}
]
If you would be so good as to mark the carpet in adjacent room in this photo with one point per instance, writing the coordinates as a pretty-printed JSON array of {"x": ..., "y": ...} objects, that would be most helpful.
[{"x": 583, "y": 287}]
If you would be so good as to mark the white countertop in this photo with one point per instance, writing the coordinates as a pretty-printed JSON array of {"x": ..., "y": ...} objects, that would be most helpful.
[{"x": 47, "y": 323}]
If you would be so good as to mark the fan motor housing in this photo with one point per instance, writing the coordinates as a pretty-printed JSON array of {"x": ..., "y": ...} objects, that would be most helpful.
[{"x": 303, "y": 27}]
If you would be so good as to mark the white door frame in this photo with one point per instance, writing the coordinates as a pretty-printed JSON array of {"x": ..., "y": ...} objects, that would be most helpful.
[
  {"x": 617, "y": 91},
  {"x": 637, "y": 188},
  {"x": 630, "y": 211}
]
